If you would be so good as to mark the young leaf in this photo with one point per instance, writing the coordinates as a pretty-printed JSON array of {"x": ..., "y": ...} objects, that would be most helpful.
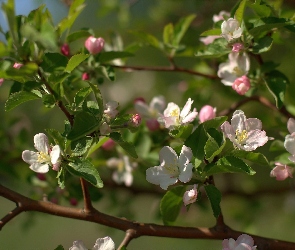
[
  {"x": 81, "y": 96},
  {"x": 75, "y": 61},
  {"x": 256, "y": 158},
  {"x": 85, "y": 169},
  {"x": 57, "y": 137},
  {"x": 240, "y": 11},
  {"x": 97, "y": 96},
  {"x": 148, "y": 38},
  {"x": 171, "y": 204},
  {"x": 80, "y": 147},
  {"x": 128, "y": 147},
  {"x": 276, "y": 83},
  {"x": 18, "y": 98},
  {"x": 214, "y": 197},
  {"x": 214, "y": 144},
  {"x": 261, "y": 10},
  {"x": 85, "y": 123},
  {"x": 216, "y": 49},
  {"x": 181, "y": 27},
  {"x": 48, "y": 100},
  {"x": 53, "y": 61},
  {"x": 168, "y": 34},
  {"x": 263, "y": 45},
  {"x": 212, "y": 32}
]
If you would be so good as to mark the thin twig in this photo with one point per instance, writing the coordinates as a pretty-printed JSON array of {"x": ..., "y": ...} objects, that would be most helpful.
[
  {"x": 130, "y": 234},
  {"x": 87, "y": 199}
]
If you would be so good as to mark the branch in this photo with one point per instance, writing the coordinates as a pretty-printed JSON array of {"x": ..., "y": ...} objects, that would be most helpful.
[
  {"x": 87, "y": 200},
  {"x": 172, "y": 68},
  {"x": 137, "y": 229},
  {"x": 130, "y": 234}
]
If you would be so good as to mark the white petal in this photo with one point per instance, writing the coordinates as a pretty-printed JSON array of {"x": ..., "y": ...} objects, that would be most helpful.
[
  {"x": 238, "y": 121},
  {"x": 291, "y": 125},
  {"x": 185, "y": 155},
  {"x": 228, "y": 130},
  {"x": 41, "y": 143},
  {"x": 168, "y": 157},
  {"x": 289, "y": 143},
  {"x": 143, "y": 109},
  {"x": 243, "y": 246},
  {"x": 186, "y": 172},
  {"x": 172, "y": 110},
  {"x": 158, "y": 103},
  {"x": 186, "y": 109},
  {"x": 243, "y": 62},
  {"x": 55, "y": 154},
  {"x": 78, "y": 245},
  {"x": 30, "y": 157},
  {"x": 39, "y": 167},
  {"x": 190, "y": 117},
  {"x": 245, "y": 238},
  {"x": 160, "y": 176},
  {"x": 253, "y": 123},
  {"x": 105, "y": 243},
  {"x": 256, "y": 138}
]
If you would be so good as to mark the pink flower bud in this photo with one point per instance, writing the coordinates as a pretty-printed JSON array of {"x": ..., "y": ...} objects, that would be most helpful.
[
  {"x": 135, "y": 120},
  {"x": 237, "y": 47},
  {"x": 281, "y": 172},
  {"x": 1, "y": 81},
  {"x": 241, "y": 85},
  {"x": 94, "y": 45},
  {"x": 139, "y": 99},
  {"x": 85, "y": 76},
  {"x": 73, "y": 202},
  {"x": 206, "y": 113},
  {"x": 17, "y": 65},
  {"x": 41, "y": 177},
  {"x": 65, "y": 49},
  {"x": 190, "y": 196},
  {"x": 153, "y": 124},
  {"x": 208, "y": 39},
  {"x": 108, "y": 145}
]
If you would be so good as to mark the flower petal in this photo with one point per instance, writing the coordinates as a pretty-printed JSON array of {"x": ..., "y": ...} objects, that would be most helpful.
[
  {"x": 30, "y": 157},
  {"x": 253, "y": 123},
  {"x": 158, "y": 175},
  {"x": 245, "y": 238},
  {"x": 256, "y": 138},
  {"x": 105, "y": 243},
  {"x": 186, "y": 172},
  {"x": 55, "y": 154},
  {"x": 168, "y": 157},
  {"x": 291, "y": 125},
  {"x": 41, "y": 143},
  {"x": 190, "y": 117},
  {"x": 186, "y": 109},
  {"x": 289, "y": 143},
  {"x": 78, "y": 245},
  {"x": 40, "y": 167}
]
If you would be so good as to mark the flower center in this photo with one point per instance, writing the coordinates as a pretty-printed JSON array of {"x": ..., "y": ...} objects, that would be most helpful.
[
  {"x": 242, "y": 136},
  {"x": 43, "y": 157},
  {"x": 172, "y": 169},
  {"x": 175, "y": 113},
  {"x": 238, "y": 71}
]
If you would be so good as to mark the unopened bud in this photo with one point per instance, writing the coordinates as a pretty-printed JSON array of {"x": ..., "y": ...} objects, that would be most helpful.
[
  {"x": 65, "y": 49},
  {"x": 94, "y": 45},
  {"x": 85, "y": 76},
  {"x": 135, "y": 120},
  {"x": 241, "y": 85}
]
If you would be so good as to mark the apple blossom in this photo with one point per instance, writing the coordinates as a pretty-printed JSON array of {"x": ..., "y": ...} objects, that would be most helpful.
[
  {"x": 230, "y": 29},
  {"x": 174, "y": 117},
  {"x": 47, "y": 156},
  {"x": 190, "y": 196},
  {"x": 243, "y": 242},
  {"x": 65, "y": 49},
  {"x": 85, "y": 76},
  {"x": 281, "y": 172},
  {"x": 289, "y": 142},
  {"x": 238, "y": 65},
  {"x": 206, "y": 113},
  {"x": 105, "y": 243},
  {"x": 111, "y": 109},
  {"x": 135, "y": 120},
  {"x": 124, "y": 168},
  {"x": 17, "y": 65},
  {"x": 108, "y": 145},
  {"x": 220, "y": 16},
  {"x": 241, "y": 85},
  {"x": 172, "y": 168},
  {"x": 208, "y": 39},
  {"x": 237, "y": 47},
  {"x": 246, "y": 134},
  {"x": 1, "y": 81},
  {"x": 94, "y": 45}
]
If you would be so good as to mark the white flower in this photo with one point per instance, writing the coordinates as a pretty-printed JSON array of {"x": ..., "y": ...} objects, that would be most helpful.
[
  {"x": 172, "y": 168},
  {"x": 105, "y": 243},
  {"x": 111, "y": 109},
  {"x": 173, "y": 117},
  {"x": 124, "y": 168},
  {"x": 219, "y": 17},
  {"x": 40, "y": 161},
  {"x": 190, "y": 196},
  {"x": 156, "y": 107},
  {"x": 105, "y": 129},
  {"x": 246, "y": 134},
  {"x": 244, "y": 242},
  {"x": 289, "y": 143},
  {"x": 237, "y": 66},
  {"x": 230, "y": 29}
]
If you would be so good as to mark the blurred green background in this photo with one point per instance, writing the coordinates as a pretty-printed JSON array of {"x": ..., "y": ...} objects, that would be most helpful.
[{"x": 267, "y": 207}]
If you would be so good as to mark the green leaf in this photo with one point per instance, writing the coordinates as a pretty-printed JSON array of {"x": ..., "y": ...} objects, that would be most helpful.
[
  {"x": 276, "y": 83},
  {"x": 77, "y": 35},
  {"x": 9, "y": 11},
  {"x": 182, "y": 132},
  {"x": 263, "y": 45},
  {"x": 212, "y": 32},
  {"x": 214, "y": 144},
  {"x": 261, "y": 10},
  {"x": 97, "y": 145},
  {"x": 85, "y": 169},
  {"x": 214, "y": 197},
  {"x": 53, "y": 61},
  {"x": 81, "y": 96},
  {"x": 61, "y": 178},
  {"x": 218, "y": 48},
  {"x": 256, "y": 158},
  {"x": 48, "y": 100},
  {"x": 266, "y": 24},
  {"x": 98, "y": 97},
  {"x": 148, "y": 38},
  {"x": 23, "y": 74},
  {"x": 128, "y": 147},
  {"x": 57, "y": 137},
  {"x": 276, "y": 145},
  {"x": 111, "y": 55},
  {"x": 228, "y": 164},
  {"x": 168, "y": 34},
  {"x": 240, "y": 11},
  {"x": 214, "y": 123},
  {"x": 197, "y": 141},
  {"x": 18, "y": 98},
  {"x": 171, "y": 204},
  {"x": 80, "y": 147},
  {"x": 75, "y": 61},
  {"x": 181, "y": 27},
  {"x": 59, "y": 247},
  {"x": 84, "y": 124}
]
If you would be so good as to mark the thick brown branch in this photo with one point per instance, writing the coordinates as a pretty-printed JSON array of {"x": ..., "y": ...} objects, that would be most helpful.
[
  {"x": 138, "y": 229},
  {"x": 164, "y": 69}
]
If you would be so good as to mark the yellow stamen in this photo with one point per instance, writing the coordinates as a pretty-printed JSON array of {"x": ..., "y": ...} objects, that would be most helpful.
[
  {"x": 43, "y": 157},
  {"x": 242, "y": 136}
]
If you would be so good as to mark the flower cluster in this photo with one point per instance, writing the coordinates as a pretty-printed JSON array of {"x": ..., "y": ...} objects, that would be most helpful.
[{"x": 105, "y": 243}]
